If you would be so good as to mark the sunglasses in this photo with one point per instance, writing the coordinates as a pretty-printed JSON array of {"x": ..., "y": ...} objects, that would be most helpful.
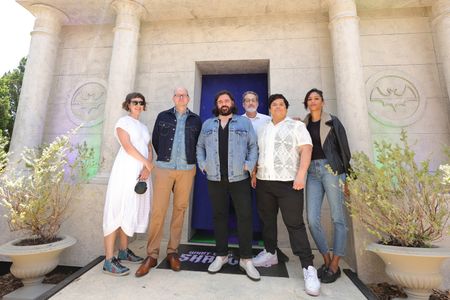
[{"x": 141, "y": 103}]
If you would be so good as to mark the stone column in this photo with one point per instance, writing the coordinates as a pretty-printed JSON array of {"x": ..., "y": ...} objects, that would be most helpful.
[
  {"x": 353, "y": 112},
  {"x": 441, "y": 26},
  {"x": 348, "y": 73},
  {"x": 38, "y": 77},
  {"x": 122, "y": 72}
]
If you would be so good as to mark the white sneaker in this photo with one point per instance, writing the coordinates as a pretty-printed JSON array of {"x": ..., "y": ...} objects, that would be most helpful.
[
  {"x": 246, "y": 266},
  {"x": 217, "y": 264},
  {"x": 265, "y": 259},
  {"x": 312, "y": 283}
]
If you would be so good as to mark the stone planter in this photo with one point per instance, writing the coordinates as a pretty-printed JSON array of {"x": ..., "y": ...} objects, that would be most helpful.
[
  {"x": 31, "y": 263},
  {"x": 415, "y": 269}
]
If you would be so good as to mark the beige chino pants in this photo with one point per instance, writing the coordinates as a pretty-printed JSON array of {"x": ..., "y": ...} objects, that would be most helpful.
[{"x": 165, "y": 182}]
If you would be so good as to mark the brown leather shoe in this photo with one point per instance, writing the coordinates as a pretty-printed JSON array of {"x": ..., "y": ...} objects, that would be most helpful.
[
  {"x": 174, "y": 261},
  {"x": 148, "y": 263}
]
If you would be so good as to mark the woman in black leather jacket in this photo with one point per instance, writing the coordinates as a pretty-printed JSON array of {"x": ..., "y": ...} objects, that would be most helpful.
[{"x": 330, "y": 147}]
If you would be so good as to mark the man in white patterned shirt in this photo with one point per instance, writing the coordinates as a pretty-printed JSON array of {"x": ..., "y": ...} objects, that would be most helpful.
[
  {"x": 284, "y": 156},
  {"x": 250, "y": 103}
]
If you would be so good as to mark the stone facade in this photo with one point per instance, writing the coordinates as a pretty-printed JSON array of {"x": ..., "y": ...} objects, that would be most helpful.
[{"x": 383, "y": 66}]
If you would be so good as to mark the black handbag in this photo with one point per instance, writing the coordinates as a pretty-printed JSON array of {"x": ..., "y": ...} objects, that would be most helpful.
[{"x": 141, "y": 187}]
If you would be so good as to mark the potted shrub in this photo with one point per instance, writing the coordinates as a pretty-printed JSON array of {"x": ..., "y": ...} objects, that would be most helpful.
[
  {"x": 35, "y": 193},
  {"x": 405, "y": 206}
]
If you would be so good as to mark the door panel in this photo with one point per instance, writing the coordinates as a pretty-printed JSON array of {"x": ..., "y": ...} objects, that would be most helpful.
[{"x": 237, "y": 84}]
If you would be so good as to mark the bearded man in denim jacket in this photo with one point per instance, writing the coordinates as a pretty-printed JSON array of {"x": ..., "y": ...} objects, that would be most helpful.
[{"x": 227, "y": 151}]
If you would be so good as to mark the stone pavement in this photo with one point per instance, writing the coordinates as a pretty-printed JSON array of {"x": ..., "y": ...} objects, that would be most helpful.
[{"x": 167, "y": 284}]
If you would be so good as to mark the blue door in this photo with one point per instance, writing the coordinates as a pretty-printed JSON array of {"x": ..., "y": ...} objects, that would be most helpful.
[{"x": 237, "y": 84}]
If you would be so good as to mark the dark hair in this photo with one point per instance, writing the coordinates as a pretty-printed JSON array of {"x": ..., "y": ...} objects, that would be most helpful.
[
  {"x": 132, "y": 96},
  {"x": 314, "y": 90},
  {"x": 274, "y": 97},
  {"x": 215, "y": 110}
]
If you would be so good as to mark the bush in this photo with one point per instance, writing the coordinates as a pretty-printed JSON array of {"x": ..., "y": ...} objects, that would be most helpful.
[
  {"x": 37, "y": 193},
  {"x": 398, "y": 200}
]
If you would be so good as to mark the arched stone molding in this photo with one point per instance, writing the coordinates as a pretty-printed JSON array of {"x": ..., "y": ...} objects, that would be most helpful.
[
  {"x": 394, "y": 98},
  {"x": 38, "y": 78}
]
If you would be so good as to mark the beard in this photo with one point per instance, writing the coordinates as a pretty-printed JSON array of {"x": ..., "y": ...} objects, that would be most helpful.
[
  {"x": 250, "y": 109},
  {"x": 225, "y": 111}
]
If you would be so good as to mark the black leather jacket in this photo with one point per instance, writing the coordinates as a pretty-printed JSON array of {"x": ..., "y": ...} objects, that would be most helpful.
[
  {"x": 334, "y": 142},
  {"x": 164, "y": 133}
]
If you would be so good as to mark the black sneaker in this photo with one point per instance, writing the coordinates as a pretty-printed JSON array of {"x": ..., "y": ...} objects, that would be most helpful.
[
  {"x": 328, "y": 276},
  {"x": 321, "y": 270}
]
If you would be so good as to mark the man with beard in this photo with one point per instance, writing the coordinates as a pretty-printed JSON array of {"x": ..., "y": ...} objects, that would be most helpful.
[
  {"x": 227, "y": 151},
  {"x": 250, "y": 104}
]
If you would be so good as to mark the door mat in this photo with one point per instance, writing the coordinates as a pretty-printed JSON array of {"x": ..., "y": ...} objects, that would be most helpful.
[{"x": 198, "y": 258}]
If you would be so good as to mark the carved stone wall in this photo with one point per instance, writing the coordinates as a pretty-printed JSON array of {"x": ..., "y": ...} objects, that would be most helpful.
[
  {"x": 87, "y": 104},
  {"x": 394, "y": 98}
]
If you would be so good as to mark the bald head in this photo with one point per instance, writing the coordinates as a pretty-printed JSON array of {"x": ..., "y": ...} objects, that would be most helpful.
[
  {"x": 180, "y": 90},
  {"x": 180, "y": 99}
]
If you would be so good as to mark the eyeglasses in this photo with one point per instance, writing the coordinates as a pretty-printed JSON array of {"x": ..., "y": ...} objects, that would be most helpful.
[
  {"x": 250, "y": 100},
  {"x": 181, "y": 96},
  {"x": 134, "y": 102}
]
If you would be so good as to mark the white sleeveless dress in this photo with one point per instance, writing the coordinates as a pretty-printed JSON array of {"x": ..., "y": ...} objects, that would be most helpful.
[{"x": 123, "y": 207}]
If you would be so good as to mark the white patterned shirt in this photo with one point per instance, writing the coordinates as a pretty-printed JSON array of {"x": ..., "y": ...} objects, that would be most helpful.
[{"x": 279, "y": 149}]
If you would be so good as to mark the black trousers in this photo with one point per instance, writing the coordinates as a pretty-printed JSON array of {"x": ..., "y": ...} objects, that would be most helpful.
[
  {"x": 274, "y": 195},
  {"x": 219, "y": 192}
]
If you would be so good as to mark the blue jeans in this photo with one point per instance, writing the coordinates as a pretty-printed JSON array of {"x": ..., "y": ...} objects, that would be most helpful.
[{"x": 319, "y": 182}]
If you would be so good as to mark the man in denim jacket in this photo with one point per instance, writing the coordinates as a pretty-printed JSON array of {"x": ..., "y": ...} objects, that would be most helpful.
[
  {"x": 174, "y": 139},
  {"x": 227, "y": 151}
]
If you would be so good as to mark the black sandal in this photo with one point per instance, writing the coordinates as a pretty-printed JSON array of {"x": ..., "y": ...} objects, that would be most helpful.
[
  {"x": 321, "y": 271},
  {"x": 328, "y": 276}
]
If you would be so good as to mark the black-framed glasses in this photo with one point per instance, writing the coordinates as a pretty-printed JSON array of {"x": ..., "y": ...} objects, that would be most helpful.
[{"x": 134, "y": 102}]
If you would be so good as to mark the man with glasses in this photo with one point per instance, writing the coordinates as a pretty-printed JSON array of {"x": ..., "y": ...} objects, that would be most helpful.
[
  {"x": 174, "y": 139},
  {"x": 250, "y": 104}
]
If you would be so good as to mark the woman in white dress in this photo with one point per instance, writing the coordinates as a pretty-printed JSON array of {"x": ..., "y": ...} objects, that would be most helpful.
[{"x": 127, "y": 212}]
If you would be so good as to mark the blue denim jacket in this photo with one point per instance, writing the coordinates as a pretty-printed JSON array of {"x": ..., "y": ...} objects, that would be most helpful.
[
  {"x": 164, "y": 134},
  {"x": 242, "y": 149},
  {"x": 178, "y": 159}
]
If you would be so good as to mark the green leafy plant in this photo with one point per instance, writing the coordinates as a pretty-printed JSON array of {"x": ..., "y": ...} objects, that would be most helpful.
[
  {"x": 399, "y": 201},
  {"x": 10, "y": 87},
  {"x": 37, "y": 192},
  {"x": 445, "y": 169}
]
